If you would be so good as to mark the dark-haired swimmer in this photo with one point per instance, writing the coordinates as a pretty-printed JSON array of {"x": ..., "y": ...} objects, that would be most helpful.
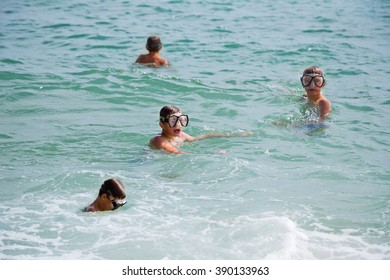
[
  {"x": 313, "y": 81},
  {"x": 111, "y": 196},
  {"x": 153, "y": 45},
  {"x": 172, "y": 136}
]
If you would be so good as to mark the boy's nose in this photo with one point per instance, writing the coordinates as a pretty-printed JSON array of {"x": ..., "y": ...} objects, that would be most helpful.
[{"x": 312, "y": 83}]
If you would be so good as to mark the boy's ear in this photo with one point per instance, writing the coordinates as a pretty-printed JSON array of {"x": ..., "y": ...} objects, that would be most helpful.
[
  {"x": 161, "y": 125},
  {"x": 324, "y": 84}
]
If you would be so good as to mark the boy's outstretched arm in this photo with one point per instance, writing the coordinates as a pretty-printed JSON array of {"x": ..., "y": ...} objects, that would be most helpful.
[{"x": 219, "y": 135}]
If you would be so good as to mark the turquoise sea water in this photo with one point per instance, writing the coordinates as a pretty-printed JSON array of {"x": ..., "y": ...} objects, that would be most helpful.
[{"x": 75, "y": 110}]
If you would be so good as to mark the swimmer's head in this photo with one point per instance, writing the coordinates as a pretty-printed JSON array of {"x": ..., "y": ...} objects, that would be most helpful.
[
  {"x": 111, "y": 196},
  {"x": 153, "y": 44},
  {"x": 168, "y": 110},
  {"x": 313, "y": 73},
  {"x": 313, "y": 70},
  {"x": 114, "y": 188}
]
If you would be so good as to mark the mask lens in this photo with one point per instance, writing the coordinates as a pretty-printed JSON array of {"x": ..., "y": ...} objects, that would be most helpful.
[
  {"x": 318, "y": 80},
  {"x": 306, "y": 80},
  {"x": 172, "y": 120},
  {"x": 184, "y": 120}
]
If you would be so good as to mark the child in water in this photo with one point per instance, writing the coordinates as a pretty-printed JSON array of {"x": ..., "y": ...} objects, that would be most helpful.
[
  {"x": 111, "y": 196},
  {"x": 172, "y": 136},
  {"x": 153, "y": 45},
  {"x": 313, "y": 81}
]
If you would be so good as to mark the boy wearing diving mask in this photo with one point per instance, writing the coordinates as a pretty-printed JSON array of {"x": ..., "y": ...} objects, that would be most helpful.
[
  {"x": 111, "y": 196},
  {"x": 313, "y": 81}
]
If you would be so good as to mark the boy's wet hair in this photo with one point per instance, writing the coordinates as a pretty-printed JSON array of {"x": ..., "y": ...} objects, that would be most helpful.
[
  {"x": 113, "y": 187},
  {"x": 313, "y": 70},
  {"x": 153, "y": 44},
  {"x": 168, "y": 110}
]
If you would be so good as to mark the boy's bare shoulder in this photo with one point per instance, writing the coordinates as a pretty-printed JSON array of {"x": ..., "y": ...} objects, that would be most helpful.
[
  {"x": 323, "y": 101},
  {"x": 157, "y": 141},
  {"x": 142, "y": 58},
  {"x": 163, "y": 61}
]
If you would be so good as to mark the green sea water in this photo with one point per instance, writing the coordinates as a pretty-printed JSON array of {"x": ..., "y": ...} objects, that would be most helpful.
[{"x": 76, "y": 110}]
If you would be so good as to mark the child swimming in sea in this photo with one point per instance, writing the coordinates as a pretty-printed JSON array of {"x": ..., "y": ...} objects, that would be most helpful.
[
  {"x": 313, "y": 81},
  {"x": 111, "y": 196},
  {"x": 153, "y": 45},
  {"x": 172, "y": 135}
]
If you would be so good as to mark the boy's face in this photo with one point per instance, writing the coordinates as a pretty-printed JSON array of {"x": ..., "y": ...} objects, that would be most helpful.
[
  {"x": 112, "y": 203},
  {"x": 173, "y": 124}
]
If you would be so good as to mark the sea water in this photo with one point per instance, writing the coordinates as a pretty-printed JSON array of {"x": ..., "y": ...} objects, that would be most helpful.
[{"x": 75, "y": 110}]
